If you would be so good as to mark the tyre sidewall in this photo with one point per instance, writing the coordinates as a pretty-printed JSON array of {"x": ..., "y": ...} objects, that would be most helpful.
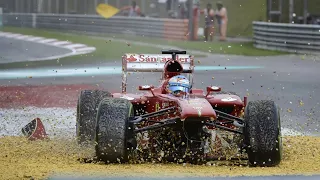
[{"x": 256, "y": 147}]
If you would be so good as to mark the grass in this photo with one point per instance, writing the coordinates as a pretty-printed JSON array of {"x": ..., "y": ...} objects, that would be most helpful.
[
  {"x": 215, "y": 47},
  {"x": 113, "y": 49},
  {"x": 105, "y": 49},
  {"x": 241, "y": 13},
  {"x": 108, "y": 49},
  {"x": 313, "y": 8}
]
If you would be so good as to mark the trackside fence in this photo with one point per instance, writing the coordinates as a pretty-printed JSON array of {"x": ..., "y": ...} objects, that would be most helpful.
[{"x": 296, "y": 38}]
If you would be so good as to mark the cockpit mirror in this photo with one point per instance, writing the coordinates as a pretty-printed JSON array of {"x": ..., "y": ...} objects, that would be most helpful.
[{"x": 146, "y": 88}]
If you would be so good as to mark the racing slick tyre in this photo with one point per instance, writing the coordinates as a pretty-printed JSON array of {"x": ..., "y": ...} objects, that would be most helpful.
[
  {"x": 87, "y": 105},
  {"x": 262, "y": 133},
  {"x": 113, "y": 131}
]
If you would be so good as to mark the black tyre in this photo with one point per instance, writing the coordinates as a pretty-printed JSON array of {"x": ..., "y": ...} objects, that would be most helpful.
[
  {"x": 88, "y": 103},
  {"x": 112, "y": 130},
  {"x": 262, "y": 133}
]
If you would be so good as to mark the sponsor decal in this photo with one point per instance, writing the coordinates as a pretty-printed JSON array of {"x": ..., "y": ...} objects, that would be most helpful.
[
  {"x": 153, "y": 59},
  {"x": 165, "y": 104},
  {"x": 195, "y": 101},
  {"x": 127, "y": 97},
  {"x": 157, "y": 106},
  {"x": 199, "y": 109},
  {"x": 196, "y": 105},
  {"x": 228, "y": 99},
  {"x": 145, "y": 87},
  {"x": 179, "y": 80},
  {"x": 130, "y": 58}
]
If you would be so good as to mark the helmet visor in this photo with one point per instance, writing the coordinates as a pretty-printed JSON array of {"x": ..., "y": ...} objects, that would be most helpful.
[{"x": 178, "y": 89}]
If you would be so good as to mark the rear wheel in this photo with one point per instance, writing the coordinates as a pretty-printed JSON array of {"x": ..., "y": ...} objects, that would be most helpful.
[
  {"x": 263, "y": 133},
  {"x": 112, "y": 130},
  {"x": 86, "y": 114}
]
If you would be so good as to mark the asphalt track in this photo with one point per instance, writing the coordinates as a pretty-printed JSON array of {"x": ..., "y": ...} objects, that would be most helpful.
[
  {"x": 292, "y": 81},
  {"x": 13, "y": 50}
]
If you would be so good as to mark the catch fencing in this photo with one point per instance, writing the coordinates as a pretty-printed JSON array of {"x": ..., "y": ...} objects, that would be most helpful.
[
  {"x": 296, "y": 38},
  {"x": 170, "y": 29}
]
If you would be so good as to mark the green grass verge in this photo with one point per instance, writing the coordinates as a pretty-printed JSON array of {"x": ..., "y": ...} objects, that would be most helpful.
[
  {"x": 241, "y": 13},
  {"x": 113, "y": 50},
  {"x": 215, "y": 47},
  {"x": 105, "y": 50},
  {"x": 109, "y": 50}
]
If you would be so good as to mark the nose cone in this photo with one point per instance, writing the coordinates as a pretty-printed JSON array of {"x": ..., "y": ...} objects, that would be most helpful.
[{"x": 196, "y": 107}]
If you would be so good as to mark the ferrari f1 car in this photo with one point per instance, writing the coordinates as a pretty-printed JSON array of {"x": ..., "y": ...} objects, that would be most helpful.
[{"x": 191, "y": 126}]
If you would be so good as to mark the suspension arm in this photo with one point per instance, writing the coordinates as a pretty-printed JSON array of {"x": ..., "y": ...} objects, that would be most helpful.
[
  {"x": 228, "y": 116},
  {"x": 156, "y": 126},
  {"x": 138, "y": 119},
  {"x": 224, "y": 128}
]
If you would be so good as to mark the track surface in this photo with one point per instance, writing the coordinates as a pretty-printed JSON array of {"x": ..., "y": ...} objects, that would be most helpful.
[
  {"x": 292, "y": 81},
  {"x": 12, "y": 50}
]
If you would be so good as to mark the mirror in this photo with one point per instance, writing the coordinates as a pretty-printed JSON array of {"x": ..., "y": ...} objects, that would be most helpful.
[
  {"x": 213, "y": 89},
  {"x": 145, "y": 88}
]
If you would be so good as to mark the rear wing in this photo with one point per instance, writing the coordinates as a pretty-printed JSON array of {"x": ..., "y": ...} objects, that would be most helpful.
[{"x": 154, "y": 62}]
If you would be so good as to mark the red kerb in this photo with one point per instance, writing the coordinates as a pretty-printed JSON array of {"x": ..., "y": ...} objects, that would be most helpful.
[{"x": 41, "y": 96}]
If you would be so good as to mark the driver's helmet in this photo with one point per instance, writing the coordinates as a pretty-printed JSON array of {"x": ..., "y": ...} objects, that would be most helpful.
[{"x": 178, "y": 85}]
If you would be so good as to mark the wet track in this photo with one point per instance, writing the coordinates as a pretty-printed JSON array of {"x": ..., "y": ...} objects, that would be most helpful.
[
  {"x": 292, "y": 81},
  {"x": 14, "y": 50}
]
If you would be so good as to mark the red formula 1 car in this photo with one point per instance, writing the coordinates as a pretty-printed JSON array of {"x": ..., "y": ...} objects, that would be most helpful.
[{"x": 192, "y": 126}]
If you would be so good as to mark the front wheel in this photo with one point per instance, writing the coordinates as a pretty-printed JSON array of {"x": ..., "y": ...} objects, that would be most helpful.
[
  {"x": 262, "y": 133},
  {"x": 113, "y": 132},
  {"x": 87, "y": 106}
]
